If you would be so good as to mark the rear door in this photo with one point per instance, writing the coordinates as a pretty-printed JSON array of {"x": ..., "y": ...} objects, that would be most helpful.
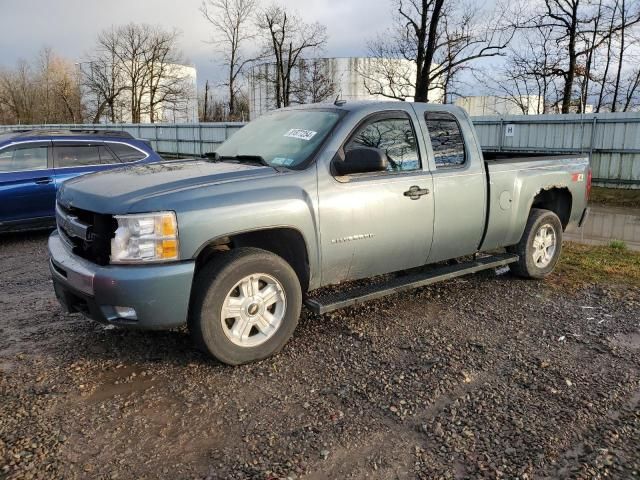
[
  {"x": 71, "y": 159},
  {"x": 27, "y": 190},
  {"x": 459, "y": 185}
]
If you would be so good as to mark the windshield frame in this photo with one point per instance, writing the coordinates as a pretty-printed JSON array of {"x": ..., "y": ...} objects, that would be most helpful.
[{"x": 311, "y": 158}]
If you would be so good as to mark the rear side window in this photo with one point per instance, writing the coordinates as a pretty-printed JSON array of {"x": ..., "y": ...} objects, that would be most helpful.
[
  {"x": 17, "y": 159},
  {"x": 126, "y": 153},
  {"x": 76, "y": 155},
  {"x": 447, "y": 140},
  {"x": 106, "y": 157},
  {"x": 395, "y": 137}
]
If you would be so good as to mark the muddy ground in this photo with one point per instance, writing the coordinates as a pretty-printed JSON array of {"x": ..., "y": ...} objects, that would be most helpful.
[{"x": 481, "y": 377}]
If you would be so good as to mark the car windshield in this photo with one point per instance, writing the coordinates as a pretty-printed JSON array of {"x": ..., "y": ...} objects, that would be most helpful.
[{"x": 282, "y": 139}]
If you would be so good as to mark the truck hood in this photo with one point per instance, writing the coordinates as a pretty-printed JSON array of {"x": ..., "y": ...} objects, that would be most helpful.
[{"x": 115, "y": 191}]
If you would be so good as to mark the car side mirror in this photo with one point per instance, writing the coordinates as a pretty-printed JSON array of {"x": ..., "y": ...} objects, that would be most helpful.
[{"x": 362, "y": 160}]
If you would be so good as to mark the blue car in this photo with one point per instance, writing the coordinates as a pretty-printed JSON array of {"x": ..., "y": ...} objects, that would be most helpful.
[{"x": 33, "y": 165}]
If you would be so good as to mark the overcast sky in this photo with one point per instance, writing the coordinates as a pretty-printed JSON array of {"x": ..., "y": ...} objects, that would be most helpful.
[{"x": 69, "y": 27}]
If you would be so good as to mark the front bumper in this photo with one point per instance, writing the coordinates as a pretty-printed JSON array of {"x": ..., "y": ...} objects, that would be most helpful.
[{"x": 158, "y": 293}]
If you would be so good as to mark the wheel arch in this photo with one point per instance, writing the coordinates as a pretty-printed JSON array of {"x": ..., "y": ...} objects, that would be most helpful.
[
  {"x": 555, "y": 199},
  {"x": 285, "y": 241}
]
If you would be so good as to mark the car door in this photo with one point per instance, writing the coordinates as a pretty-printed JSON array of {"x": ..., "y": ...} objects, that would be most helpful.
[
  {"x": 27, "y": 190},
  {"x": 459, "y": 186},
  {"x": 375, "y": 223},
  {"x": 71, "y": 159}
]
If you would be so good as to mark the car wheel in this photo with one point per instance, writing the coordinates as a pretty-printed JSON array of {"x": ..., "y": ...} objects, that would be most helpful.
[
  {"x": 245, "y": 305},
  {"x": 540, "y": 246}
]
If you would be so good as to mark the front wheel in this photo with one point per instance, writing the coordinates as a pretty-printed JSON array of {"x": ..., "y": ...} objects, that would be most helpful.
[
  {"x": 540, "y": 246},
  {"x": 245, "y": 306}
]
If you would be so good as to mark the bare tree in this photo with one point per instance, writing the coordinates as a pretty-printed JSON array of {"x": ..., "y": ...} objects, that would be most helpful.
[
  {"x": 17, "y": 93},
  {"x": 64, "y": 94},
  {"x": 573, "y": 21},
  {"x": 230, "y": 20},
  {"x": 386, "y": 76},
  {"x": 135, "y": 72},
  {"x": 168, "y": 84},
  {"x": 287, "y": 40},
  {"x": 103, "y": 78},
  {"x": 528, "y": 79},
  {"x": 45, "y": 91},
  {"x": 316, "y": 82},
  {"x": 215, "y": 109},
  {"x": 133, "y": 46},
  {"x": 440, "y": 40}
]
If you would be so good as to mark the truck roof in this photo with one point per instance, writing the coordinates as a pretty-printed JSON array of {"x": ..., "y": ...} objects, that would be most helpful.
[{"x": 356, "y": 105}]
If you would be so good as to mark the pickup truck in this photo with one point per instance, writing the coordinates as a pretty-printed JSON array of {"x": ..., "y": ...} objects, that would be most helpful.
[{"x": 299, "y": 199}]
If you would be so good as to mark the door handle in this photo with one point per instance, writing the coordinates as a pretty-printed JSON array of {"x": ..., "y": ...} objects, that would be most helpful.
[
  {"x": 415, "y": 192},
  {"x": 43, "y": 180}
]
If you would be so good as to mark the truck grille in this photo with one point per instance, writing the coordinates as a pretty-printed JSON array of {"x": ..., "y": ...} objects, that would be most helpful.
[{"x": 86, "y": 233}]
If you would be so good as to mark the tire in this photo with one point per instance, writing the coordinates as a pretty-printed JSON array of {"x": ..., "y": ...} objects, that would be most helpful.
[
  {"x": 532, "y": 263},
  {"x": 239, "y": 284}
]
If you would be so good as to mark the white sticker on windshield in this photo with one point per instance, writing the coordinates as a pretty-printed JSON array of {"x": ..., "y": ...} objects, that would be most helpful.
[{"x": 300, "y": 134}]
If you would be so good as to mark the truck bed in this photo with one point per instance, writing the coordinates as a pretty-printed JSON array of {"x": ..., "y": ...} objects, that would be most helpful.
[
  {"x": 514, "y": 179},
  {"x": 503, "y": 161},
  {"x": 512, "y": 157}
]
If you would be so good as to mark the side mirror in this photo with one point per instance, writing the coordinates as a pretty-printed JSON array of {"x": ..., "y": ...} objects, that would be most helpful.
[{"x": 362, "y": 160}]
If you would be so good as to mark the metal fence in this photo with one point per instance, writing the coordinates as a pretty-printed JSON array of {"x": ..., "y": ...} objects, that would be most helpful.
[
  {"x": 183, "y": 139},
  {"x": 612, "y": 139}
]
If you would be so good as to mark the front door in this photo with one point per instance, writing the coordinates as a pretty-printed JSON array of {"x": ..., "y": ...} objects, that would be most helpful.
[
  {"x": 375, "y": 223},
  {"x": 27, "y": 190}
]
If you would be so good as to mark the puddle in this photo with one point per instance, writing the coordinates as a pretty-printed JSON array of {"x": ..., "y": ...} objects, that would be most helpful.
[
  {"x": 605, "y": 224},
  {"x": 119, "y": 382}
]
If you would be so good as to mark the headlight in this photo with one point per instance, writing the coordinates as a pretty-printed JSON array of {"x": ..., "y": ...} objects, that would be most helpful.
[{"x": 145, "y": 237}]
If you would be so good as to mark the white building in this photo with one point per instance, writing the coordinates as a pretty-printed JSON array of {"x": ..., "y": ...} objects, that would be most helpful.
[
  {"x": 353, "y": 78},
  {"x": 478, "y": 106},
  {"x": 492, "y": 105}
]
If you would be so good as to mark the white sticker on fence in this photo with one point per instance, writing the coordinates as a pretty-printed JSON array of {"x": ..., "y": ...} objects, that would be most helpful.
[
  {"x": 300, "y": 134},
  {"x": 509, "y": 130}
]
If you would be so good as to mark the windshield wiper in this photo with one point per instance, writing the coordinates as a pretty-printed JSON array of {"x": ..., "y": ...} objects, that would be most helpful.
[{"x": 215, "y": 157}]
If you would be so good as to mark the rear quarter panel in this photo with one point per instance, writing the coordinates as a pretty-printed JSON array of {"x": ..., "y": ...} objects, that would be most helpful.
[{"x": 514, "y": 185}]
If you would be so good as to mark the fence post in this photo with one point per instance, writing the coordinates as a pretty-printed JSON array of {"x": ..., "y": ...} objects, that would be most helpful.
[
  {"x": 175, "y": 125},
  {"x": 593, "y": 135},
  {"x": 155, "y": 136},
  {"x": 501, "y": 130}
]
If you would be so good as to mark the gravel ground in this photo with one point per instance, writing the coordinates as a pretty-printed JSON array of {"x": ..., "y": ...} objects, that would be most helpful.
[{"x": 481, "y": 377}]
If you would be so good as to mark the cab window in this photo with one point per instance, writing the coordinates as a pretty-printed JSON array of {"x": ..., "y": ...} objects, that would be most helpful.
[
  {"x": 446, "y": 138},
  {"x": 395, "y": 136},
  {"x": 23, "y": 158}
]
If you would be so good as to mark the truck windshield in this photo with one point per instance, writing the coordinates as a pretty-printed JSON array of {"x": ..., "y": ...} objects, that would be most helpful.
[{"x": 282, "y": 139}]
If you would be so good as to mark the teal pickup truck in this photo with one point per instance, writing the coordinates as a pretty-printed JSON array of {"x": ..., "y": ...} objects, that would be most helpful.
[{"x": 299, "y": 199}]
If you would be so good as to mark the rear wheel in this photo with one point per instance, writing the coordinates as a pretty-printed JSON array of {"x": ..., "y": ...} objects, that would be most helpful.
[
  {"x": 245, "y": 306},
  {"x": 540, "y": 246}
]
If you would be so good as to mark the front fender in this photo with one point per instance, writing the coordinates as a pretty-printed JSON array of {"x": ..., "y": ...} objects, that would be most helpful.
[{"x": 234, "y": 213}]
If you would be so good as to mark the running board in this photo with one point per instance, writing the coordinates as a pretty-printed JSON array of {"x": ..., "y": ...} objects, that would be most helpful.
[{"x": 328, "y": 302}]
